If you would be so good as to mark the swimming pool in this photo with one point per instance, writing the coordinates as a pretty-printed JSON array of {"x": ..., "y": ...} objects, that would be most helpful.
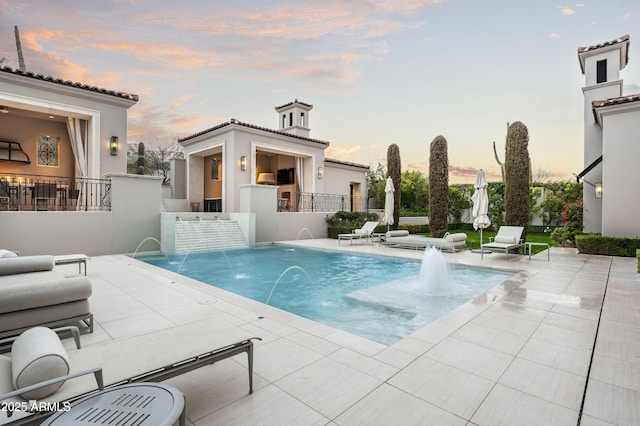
[{"x": 374, "y": 297}]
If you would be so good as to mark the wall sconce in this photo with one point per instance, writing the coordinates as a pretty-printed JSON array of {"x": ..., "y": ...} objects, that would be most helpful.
[
  {"x": 598, "y": 188},
  {"x": 243, "y": 163},
  {"x": 320, "y": 172},
  {"x": 113, "y": 145}
]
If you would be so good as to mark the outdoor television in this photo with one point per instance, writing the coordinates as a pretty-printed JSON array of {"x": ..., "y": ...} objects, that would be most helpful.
[{"x": 286, "y": 176}]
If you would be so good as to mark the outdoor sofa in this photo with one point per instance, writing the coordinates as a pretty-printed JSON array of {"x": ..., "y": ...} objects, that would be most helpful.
[
  {"x": 450, "y": 242},
  {"x": 150, "y": 357},
  {"x": 32, "y": 293}
]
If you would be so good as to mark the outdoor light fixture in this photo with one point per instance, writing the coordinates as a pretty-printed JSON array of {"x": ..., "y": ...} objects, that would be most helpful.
[
  {"x": 4, "y": 110},
  {"x": 113, "y": 145},
  {"x": 266, "y": 179},
  {"x": 243, "y": 163},
  {"x": 598, "y": 188},
  {"x": 320, "y": 172}
]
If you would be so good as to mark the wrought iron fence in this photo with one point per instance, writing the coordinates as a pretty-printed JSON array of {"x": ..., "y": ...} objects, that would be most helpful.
[
  {"x": 314, "y": 202},
  {"x": 39, "y": 192}
]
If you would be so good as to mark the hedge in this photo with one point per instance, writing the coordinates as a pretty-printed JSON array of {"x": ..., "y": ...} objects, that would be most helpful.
[{"x": 611, "y": 246}]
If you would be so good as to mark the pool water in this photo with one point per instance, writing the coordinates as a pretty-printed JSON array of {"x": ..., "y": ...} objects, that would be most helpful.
[{"x": 378, "y": 298}]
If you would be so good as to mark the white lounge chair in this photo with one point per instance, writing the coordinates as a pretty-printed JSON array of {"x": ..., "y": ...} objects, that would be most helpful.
[
  {"x": 507, "y": 238},
  {"x": 151, "y": 357},
  {"x": 450, "y": 242},
  {"x": 357, "y": 234}
]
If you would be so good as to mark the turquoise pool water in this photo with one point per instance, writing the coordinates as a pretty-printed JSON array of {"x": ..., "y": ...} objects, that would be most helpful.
[{"x": 375, "y": 297}]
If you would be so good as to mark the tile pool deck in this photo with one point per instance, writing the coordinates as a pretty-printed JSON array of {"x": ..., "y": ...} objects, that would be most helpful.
[{"x": 520, "y": 354}]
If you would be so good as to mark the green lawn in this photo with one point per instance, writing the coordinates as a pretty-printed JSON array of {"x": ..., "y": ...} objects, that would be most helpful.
[{"x": 473, "y": 238}]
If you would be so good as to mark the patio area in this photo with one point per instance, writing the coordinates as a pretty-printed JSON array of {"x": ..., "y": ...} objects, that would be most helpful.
[{"x": 521, "y": 353}]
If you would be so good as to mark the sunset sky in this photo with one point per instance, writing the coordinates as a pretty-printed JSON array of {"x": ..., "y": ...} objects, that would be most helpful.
[{"x": 376, "y": 72}]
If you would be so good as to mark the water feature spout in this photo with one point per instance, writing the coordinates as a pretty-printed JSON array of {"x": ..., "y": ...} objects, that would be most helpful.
[
  {"x": 142, "y": 242},
  {"x": 304, "y": 229},
  {"x": 282, "y": 275},
  {"x": 434, "y": 273}
]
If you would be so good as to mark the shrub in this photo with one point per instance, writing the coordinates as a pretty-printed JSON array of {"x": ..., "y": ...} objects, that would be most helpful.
[
  {"x": 352, "y": 220},
  {"x": 438, "y": 187},
  {"x": 562, "y": 236},
  {"x": 611, "y": 246},
  {"x": 394, "y": 169},
  {"x": 517, "y": 168}
]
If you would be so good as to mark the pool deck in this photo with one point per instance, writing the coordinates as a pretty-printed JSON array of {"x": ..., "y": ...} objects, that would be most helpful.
[{"x": 520, "y": 354}]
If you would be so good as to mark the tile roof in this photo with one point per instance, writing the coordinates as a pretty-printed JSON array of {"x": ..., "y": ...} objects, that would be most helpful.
[
  {"x": 60, "y": 81},
  {"x": 616, "y": 101},
  {"x": 346, "y": 163},
  {"x": 624, "y": 53},
  {"x": 251, "y": 126},
  {"x": 294, "y": 102},
  {"x": 612, "y": 101},
  {"x": 605, "y": 44}
]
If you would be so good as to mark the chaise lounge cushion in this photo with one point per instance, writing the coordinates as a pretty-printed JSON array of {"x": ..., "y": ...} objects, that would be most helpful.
[
  {"x": 43, "y": 293},
  {"x": 37, "y": 355},
  {"x": 504, "y": 240},
  {"x": 20, "y": 265},
  {"x": 397, "y": 233}
]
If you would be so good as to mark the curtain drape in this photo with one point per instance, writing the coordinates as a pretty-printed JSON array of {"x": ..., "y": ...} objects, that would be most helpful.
[
  {"x": 78, "y": 137},
  {"x": 300, "y": 180}
]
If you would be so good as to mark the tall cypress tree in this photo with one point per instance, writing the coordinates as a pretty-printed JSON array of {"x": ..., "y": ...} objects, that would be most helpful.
[
  {"x": 517, "y": 170},
  {"x": 438, "y": 187},
  {"x": 393, "y": 170}
]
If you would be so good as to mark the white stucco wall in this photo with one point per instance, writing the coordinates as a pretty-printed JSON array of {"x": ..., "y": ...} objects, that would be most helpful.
[
  {"x": 134, "y": 216},
  {"x": 621, "y": 172},
  {"x": 593, "y": 131}
]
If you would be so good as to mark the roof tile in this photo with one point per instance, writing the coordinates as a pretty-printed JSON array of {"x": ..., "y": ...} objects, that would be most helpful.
[{"x": 42, "y": 77}]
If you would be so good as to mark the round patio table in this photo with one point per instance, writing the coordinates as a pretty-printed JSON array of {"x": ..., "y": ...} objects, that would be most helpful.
[{"x": 150, "y": 404}]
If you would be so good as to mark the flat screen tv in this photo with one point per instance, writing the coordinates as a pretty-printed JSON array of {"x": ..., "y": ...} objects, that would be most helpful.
[{"x": 286, "y": 176}]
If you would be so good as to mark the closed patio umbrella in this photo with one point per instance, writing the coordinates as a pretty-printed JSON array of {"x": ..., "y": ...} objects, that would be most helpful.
[
  {"x": 388, "y": 203},
  {"x": 480, "y": 204}
]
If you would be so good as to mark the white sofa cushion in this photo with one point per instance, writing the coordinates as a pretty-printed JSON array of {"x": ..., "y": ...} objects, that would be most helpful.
[
  {"x": 505, "y": 240},
  {"x": 460, "y": 236},
  {"x": 23, "y": 264},
  {"x": 397, "y": 233},
  {"x": 37, "y": 355},
  {"x": 7, "y": 253}
]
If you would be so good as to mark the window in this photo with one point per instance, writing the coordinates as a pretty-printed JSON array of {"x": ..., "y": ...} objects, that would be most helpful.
[
  {"x": 284, "y": 120},
  {"x": 290, "y": 119},
  {"x": 47, "y": 151},
  {"x": 302, "y": 119},
  {"x": 601, "y": 71}
]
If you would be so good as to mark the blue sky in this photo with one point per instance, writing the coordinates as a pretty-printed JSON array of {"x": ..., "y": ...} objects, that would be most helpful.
[{"x": 377, "y": 72}]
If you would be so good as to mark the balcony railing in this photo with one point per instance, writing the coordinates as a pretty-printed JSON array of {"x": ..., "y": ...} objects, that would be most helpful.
[
  {"x": 58, "y": 193},
  {"x": 314, "y": 202}
]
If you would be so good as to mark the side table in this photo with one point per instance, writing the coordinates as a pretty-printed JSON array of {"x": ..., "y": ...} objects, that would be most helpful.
[
  {"x": 152, "y": 404},
  {"x": 530, "y": 246},
  {"x": 66, "y": 259}
]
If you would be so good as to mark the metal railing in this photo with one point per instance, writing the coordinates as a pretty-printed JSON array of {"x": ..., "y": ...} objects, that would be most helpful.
[
  {"x": 314, "y": 202},
  {"x": 59, "y": 193}
]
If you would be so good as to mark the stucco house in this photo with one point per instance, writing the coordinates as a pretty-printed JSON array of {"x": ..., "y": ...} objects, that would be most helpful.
[
  {"x": 611, "y": 148},
  {"x": 64, "y": 187},
  {"x": 222, "y": 159},
  {"x": 63, "y": 182}
]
